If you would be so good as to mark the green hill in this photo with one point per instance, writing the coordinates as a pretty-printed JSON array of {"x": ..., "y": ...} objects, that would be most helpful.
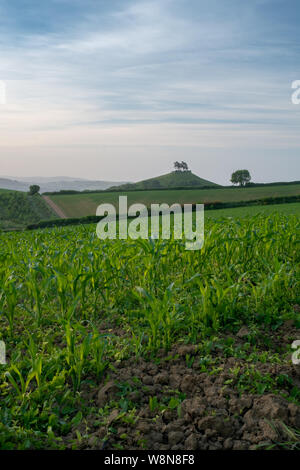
[
  {"x": 18, "y": 209},
  {"x": 175, "y": 179}
]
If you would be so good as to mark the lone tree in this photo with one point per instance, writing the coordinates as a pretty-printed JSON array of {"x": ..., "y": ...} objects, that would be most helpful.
[
  {"x": 241, "y": 177},
  {"x": 177, "y": 166},
  {"x": 34, "y": 189}
]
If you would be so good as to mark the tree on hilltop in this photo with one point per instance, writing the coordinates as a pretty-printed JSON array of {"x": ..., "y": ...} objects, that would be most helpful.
[
  {"x": 184, "y": 166},
  {"x": 181, "y": 166}
]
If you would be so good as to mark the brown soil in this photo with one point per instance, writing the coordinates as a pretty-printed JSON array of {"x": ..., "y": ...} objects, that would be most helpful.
[{"x": 214, "y": 412}]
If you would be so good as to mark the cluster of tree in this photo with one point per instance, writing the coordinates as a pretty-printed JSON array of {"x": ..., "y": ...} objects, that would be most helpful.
[
  {"x": 241, "y": 177},
  {"x": 181, "y": 166}
]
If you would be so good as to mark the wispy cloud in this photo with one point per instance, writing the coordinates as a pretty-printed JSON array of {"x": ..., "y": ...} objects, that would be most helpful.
[{"x": 162, "y": 72}]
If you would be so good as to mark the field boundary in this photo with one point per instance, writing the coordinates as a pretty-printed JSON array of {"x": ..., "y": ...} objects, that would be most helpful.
[
  {"x": 175, "y": 188},
  {"x": 90, "y": 219}
]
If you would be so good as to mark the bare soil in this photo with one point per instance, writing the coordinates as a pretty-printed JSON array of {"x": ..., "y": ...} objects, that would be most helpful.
[{"x": 214, "y": 413}]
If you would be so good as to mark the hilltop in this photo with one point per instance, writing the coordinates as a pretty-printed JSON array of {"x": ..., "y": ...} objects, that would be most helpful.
[{"x": 175, "y": 179}]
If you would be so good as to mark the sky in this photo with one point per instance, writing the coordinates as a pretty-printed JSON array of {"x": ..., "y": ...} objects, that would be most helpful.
[{"x": 120, "y": 89}]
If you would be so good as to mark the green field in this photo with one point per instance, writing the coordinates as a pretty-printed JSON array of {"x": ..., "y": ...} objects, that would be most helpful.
[
  {"x": 80, "y": 205},
  {"x": 140, "y": 344},
  {"x": 240, "y": 212}
]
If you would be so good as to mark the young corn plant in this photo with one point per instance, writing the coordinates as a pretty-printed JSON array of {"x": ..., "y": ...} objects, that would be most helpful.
[
  {"x": 36, "y": 362},
  {"x": 63, "y": 291},
  {"x": 11, "y": 302},
  {"x": 161, "y": 316},
  {"x": 98, "y": 349},
  {"x": 34, "y": 281},
  {"x": 21, "y": 383},
  {"x": 76, "y": 354}
]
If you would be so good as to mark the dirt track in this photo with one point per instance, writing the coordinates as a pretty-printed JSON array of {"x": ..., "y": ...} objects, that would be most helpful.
[{"x": 55, "y": 208}]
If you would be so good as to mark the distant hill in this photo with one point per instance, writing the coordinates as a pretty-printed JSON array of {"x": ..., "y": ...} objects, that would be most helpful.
[
  {"x": 13, "y": 185},
  {"x": 175, "y": 179},
  {"x": 52, "y": 184}
]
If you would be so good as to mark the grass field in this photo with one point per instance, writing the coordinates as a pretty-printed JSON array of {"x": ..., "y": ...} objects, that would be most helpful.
[
  {"x": 240, "y": 212},
  {"x": 145, "y": 345},
  {"x": 80, "y": 205}
]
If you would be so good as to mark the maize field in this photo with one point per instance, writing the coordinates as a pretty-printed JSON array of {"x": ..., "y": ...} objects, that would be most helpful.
[{"x": 84, "y": 321}]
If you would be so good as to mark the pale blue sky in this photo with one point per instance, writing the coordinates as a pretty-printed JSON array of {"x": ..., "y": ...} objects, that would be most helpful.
[{"x": 120, "y": 89}]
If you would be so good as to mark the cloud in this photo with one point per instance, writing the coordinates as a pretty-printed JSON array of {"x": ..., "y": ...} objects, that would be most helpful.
[{"x": 161, "y": 72}]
